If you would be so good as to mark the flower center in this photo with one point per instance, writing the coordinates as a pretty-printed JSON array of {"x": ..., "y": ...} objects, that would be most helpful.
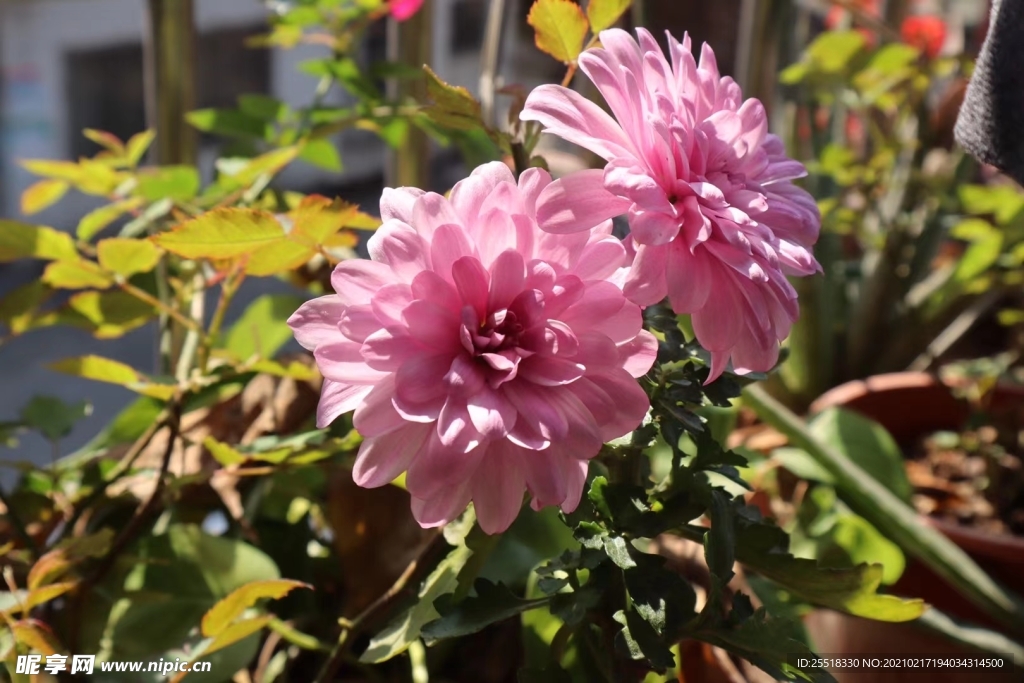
[{"x": 493, "y": 342}]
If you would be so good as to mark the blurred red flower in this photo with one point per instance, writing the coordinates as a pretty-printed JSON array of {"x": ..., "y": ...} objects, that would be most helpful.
[
  {"x": 926, "y": 32},
  {"x": 404, "y": 9}
]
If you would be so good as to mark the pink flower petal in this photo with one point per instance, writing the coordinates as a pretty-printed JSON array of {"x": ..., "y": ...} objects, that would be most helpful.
[
  {"x": 316, "y": 321},
  {"x": 578, "y": 202},
  {"x": 336, "y": 399},
  {"x": 383, "y": 458}
]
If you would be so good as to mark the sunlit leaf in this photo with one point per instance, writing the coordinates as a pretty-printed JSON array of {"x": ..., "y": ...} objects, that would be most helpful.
[
  {"x": 42, "y": 194},
  {"x": 113, "y": 372},
  {"x": 604, "y": 13},
  {"x": 76, "y": 274},
  {"x": 36, "y": 636},
  {"x": 229, "y": 122},
  {"x": 228, "y": 609},
  {"x": 57, "y": 562},
  {"x": 137, "y": 146},
  {"x": 179, "y": 183},
  {"x": 126, "y": 257},
  {"x": 453, "y": 106},
  {"x": 108, "y": 141},
  {"x": 223, "y": 234},
  {"x": 323, "y": 154},
  {"x": 265, "y": 164},
  {"x": 97, "y": 219},
  {"x": 20, "y": 240},
  {"x": 234, "y": 633},
  {"x": 19, "y": 307},
  {"x": 223, "y": 453},
  {"x": 560, "y": 27},
  {"x": 106, "y": 314}
]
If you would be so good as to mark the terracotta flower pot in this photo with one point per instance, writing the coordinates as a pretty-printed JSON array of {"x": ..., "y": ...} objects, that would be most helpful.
[{"x": 911, "y": 405}]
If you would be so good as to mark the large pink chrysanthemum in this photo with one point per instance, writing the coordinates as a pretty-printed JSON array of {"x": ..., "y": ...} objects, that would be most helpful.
[
  {"x": 481, "y": 355},
  {"x": 714, "y": 215}
]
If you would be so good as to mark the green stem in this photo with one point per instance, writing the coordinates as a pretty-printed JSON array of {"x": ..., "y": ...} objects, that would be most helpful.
[{"x": 227, "y": 293}]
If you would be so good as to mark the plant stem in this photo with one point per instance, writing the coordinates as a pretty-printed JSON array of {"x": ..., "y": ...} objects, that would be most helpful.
[
  {"x": 164, "y": 308},
  {"x": 19, "y": 525},
  {"x": 350, "y": 628},
  {"x": 227, "y": 293}
]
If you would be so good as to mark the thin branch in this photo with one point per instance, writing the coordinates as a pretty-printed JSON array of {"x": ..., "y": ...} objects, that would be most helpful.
[
  {"x": 164, "y": 308},
  {"x": 350, "y": 628},
  {"x": 490, "y": 54},
  {"x": 19, "y": 525}
]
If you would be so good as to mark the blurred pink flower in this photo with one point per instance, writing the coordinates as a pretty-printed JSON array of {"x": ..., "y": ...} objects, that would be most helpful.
[
  {"x": 716, "y": 220},
  {"x": 481, "y": 355},
  {"x": 404, "y": 9}
]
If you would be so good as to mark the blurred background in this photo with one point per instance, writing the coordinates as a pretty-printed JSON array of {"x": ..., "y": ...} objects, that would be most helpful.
[{"x": 67, "y": 65}]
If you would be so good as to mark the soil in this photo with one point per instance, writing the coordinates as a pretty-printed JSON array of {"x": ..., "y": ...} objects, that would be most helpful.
[{"x": 970, "y": 478}]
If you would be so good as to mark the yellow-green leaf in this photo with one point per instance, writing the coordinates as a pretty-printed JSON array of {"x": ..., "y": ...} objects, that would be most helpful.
[
  {"x": 107, "y": 315},
  {"x": 42, "y": 194},
  {"x": 20, "y": 240},
  {"x": 179, "y": 183},
  {"x": 138, "y": 144},
  {"x": 113, "y": 372},
  {"x": 223, "y": 234},
  {"x": 318, "y": 217},
  {"x": 234, "y": 633},
  {"x": 106, "y": 140},
  {"x": 228, "y": 609},
  {"x": 269, "y": 163},
  {"x": 294, "y": 369},
  {"x": 36, "y": 636},
  {"x": 604, "y": 13},
  {"x": 126, "y": 257},
  {"x": 278, "y": 258},
  {"x": 560, "y": 27},
  {"x": 223, "y": 453},
  {"x": 57, "y": 562},
  {"x": 18, "y": 308},
  {"x": 44, "y": 594},
  {"x": 89, "y": 176},
  {"x": 76, "y": 274},
  {"x": 96, "y": 220}
]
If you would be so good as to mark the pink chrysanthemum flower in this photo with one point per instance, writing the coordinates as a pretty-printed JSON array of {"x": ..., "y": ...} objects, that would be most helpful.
[
  {"x": 716, "y": 220},
  {"x": 481, "y": 355}
]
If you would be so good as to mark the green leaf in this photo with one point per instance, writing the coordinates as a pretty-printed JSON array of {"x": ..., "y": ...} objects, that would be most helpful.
[
  {"x": 491, "y": 604},
  {"x": 262, "y": 329},
  {"x": 96, "y": 220},
  {"x": 891, "y": 516},
  {"x": 19, "y": 240},
  {"x": 642, "y": 642},
  {"x": 617, "y": 550},
  {"x": 867, "y": 442},
  {"x": 257, "y": 168},
  {"x": 347, "y": 71},
  {"x": 223, "y": 453},
  {"x": 76, "y": 274},
  {"x": 802, "y": 465},
  {"x": 151, "y": 604},
  {"x": 321, "y": 153},
  {"x": 19, "y": 307},
  {"x": 394, "y": 639},
  {"x": 234, "y": 633},
  {"x": 229, "y": 608},
  {"x": 860, "y": 542},
  {"x": 230, "y": 122},
  {"x": 560, "y": 27},
  {"x": 263, "y": 107},
  {"x": 106, "y": 314},
  {"x": 179, "y": 183},
  {"x": 771, "y": 644},
  {"x": 127, "y": 257},
  {"x": 108, "y": 141},
  {"x": 604, "y": 13},
  {"x": 52, "y": 417},
  {"x": 981, "y": 255},
  {"x": 113, "y": 372},
  {"x": 137, "y": 146},
  {"x": 453, "y": 106},
  {"x": 720, "y": 540},
  {"x": 42, "y": 194},
  {"x": 223, "y": 234},
  {"x": 1004, "y": 203}
]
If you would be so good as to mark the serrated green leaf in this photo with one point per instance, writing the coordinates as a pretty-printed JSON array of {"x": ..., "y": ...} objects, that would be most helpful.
[
  {"x": 223, "y": 234},
  {"x": 720, "y": 539},
  {"x": 560, "y": 27},
  {"x": 617, "y": 550},
  {"x": 127, "y": 257},
  {"x": 20, "y": 240},
  {"x": 604, "y": 13},
  {"x": 42, "y": 194},
  {"x": 642, "y": 642},
  {"x": 491, "y": 604}
]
